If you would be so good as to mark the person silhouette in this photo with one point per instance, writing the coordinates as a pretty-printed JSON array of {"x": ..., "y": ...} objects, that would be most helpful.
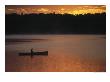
[{"x": 32, "y": 52}]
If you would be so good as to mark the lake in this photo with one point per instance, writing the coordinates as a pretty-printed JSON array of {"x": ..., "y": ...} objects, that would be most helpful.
[{"x": 66, "y": 53}]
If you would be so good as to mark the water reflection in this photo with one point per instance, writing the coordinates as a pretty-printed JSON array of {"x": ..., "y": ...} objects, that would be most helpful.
[{"x": 66, "y": 53}]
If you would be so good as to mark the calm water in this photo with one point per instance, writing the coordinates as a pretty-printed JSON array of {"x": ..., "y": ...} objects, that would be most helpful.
[{"x": 65, "y": 53}]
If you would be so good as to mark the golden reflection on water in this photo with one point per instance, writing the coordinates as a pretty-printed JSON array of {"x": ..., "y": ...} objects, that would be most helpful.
[
  {"x": 61, "y": 58},
  {"x": 56, "y": 62}
]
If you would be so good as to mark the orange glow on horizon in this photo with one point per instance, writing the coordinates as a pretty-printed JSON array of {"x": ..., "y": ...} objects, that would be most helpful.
[{"x": 69, "y": 9}]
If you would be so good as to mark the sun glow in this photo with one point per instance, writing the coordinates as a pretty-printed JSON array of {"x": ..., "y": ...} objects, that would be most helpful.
[{"x": 57, "y": 9}]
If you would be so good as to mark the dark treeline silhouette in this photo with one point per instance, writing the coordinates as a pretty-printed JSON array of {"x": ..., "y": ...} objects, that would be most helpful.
[{"x": 55, "y": 23}]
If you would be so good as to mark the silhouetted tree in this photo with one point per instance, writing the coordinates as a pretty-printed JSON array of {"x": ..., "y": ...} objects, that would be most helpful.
[{"x": 55, "y": 23}]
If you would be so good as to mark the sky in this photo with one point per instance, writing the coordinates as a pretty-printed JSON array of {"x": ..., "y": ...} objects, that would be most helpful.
[{"x": 57, "y": 9}]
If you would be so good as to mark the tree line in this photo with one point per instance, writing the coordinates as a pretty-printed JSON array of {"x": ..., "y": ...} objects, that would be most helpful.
[{"x": 55, "y": 23}]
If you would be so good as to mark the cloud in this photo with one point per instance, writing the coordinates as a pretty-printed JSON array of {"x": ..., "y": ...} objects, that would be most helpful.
[
  {"x": 11, "y": 9},
  {"x": 57, "y": 9},
  {"x": 42, "y": 9}
]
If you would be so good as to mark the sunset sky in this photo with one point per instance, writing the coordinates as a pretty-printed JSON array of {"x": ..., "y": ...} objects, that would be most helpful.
[{"x": 58, "y": 9}]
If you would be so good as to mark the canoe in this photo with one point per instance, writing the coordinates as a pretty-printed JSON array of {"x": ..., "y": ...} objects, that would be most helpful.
[{"x": 34, "y": 53}]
